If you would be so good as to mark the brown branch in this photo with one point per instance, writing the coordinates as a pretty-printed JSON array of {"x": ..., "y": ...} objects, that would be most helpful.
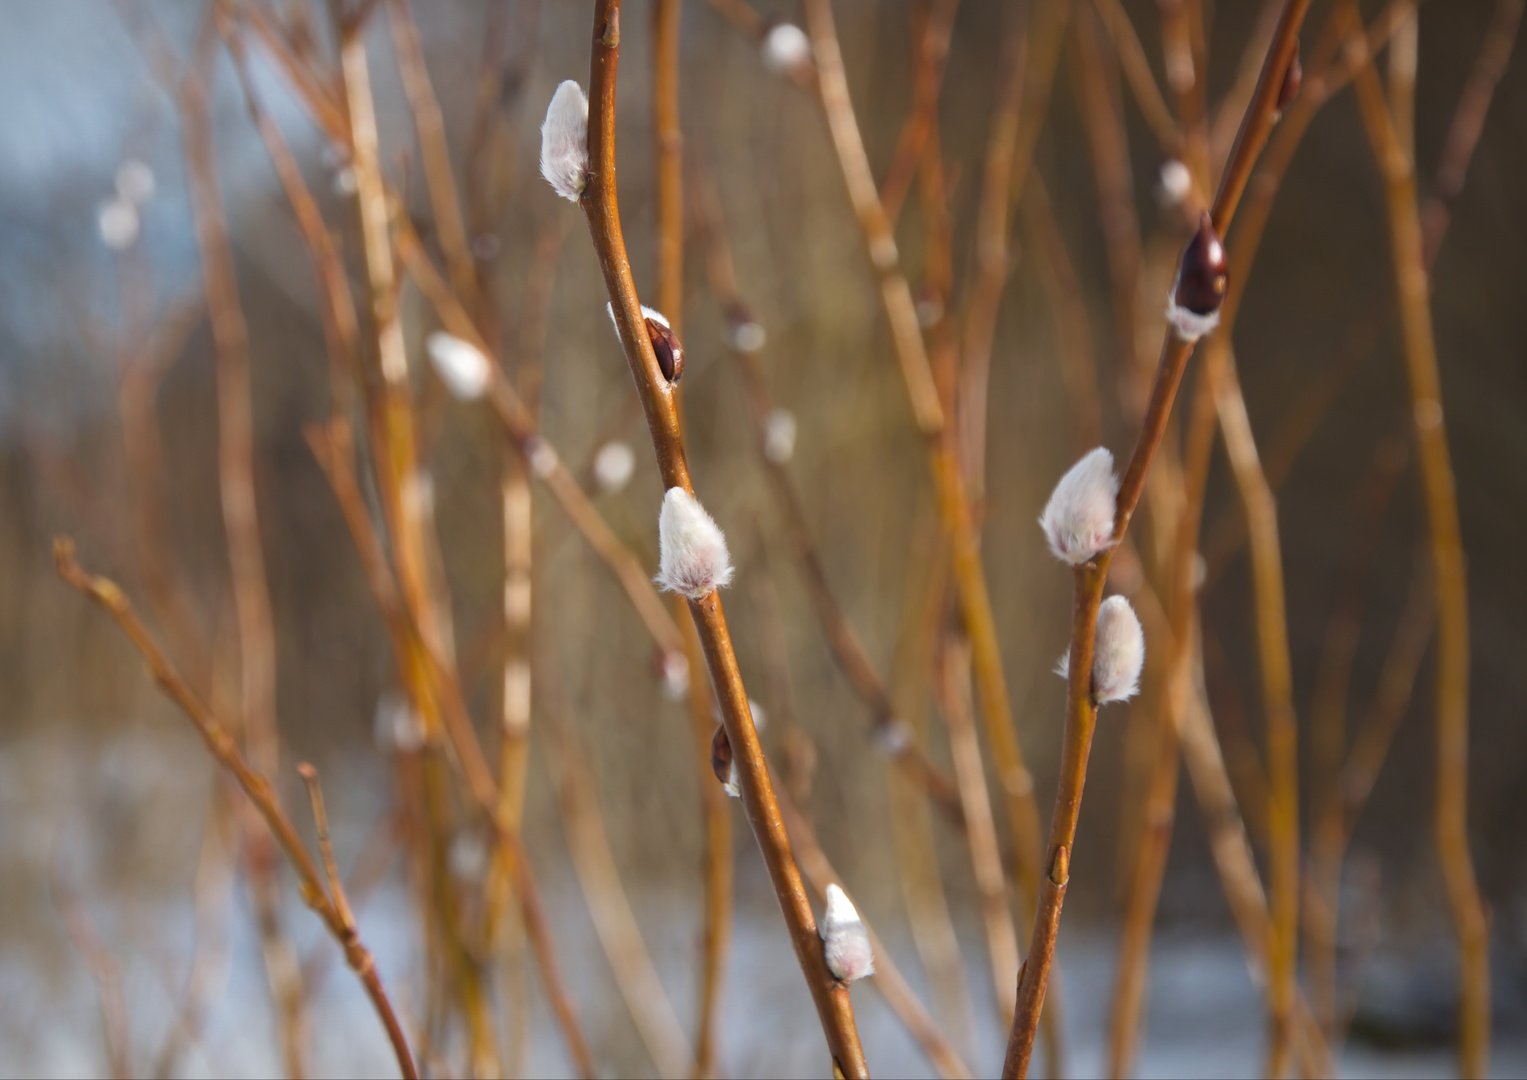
[
  {"x": 1278, "y": 691},
  {"x": 953, "y": 694},
  {"x": 1029, "y": 62},
  {"x": 834, "y": 1007},
  {"x": 953, "y": 498},
  {"x": 225, "y": 750},
  {"x": 241, "y": 523},
  {"x": 1090, "y": 578},
  {"x": 843, "y": 639},
  {"x": 1419, "y": 345},
  {"x": 1137, "y": 72},
  {"x": 330, "y": 447},
  {"x": 615, "y": 924},
  {"x": 434, "y": 150},
  {"x": 104, "y": 970},
  {"x": 887, "y": 977},
  {"x": 937, "y": 19}
]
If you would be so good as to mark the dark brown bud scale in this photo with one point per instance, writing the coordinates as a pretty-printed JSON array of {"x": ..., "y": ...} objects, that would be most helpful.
[
  {"x": 670, "y": 353},
  {"x": 1203, "y": 273},
  {"x": 1293, "y": 76},
  {"x": 721, "y": 755}
]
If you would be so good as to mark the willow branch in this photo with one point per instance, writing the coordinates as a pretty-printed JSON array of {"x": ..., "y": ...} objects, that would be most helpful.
[
  {"x": 1090, "y": 578},
  {"x": 600, "y": 203},
  {"x": 1419, "y": 345}
]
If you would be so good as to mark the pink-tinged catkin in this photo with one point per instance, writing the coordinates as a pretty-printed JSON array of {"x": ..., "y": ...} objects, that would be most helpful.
[
  {"x": 692, "y": 555},
  {"x": 1118, "y": 655},
  {"x": 845, "y": 940},
  {"x": 1078, "y": 519},
  {"x": 565, "y": 141}
]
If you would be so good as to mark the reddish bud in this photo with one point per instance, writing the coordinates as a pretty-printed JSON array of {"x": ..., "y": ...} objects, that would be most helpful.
[
  {"x": 721, "y": 761},
  {"x": 670, "y": 353},
  {"x": 1198, "y": 292}
]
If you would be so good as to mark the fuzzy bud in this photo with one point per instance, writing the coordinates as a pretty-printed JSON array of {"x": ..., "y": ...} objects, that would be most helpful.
[
  {"x": 1118, "y": 653},
  {"x": 665, "y": 343},
  {"x": 723, "y": 764},
  {"x": 1198, "y": 292},
  {"x": 743, "y": 331},
  {"x": 845, "y": 940},
  {"x": 667, "y": 348},
  {"x": 779, "y": 436},
  {"x": 460, "y": 364},
  {"x": 692, "y": 556},
  {"x": 613, "y": 465},
  {"x": 396, "y": 726},
  {"x": 565, "y": 141},
  {"x": 117, "y": 220},
  {"x": 785, "y": 48},
  {"x": 1078, "y": 519},
  {"x": 1174, "y": 183}
]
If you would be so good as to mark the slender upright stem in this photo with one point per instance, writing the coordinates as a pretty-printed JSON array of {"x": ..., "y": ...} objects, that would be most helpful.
[
  {"x": 954, "y": 506},
  {"x": 600, "y": 203},
  {"x": 1090, "y": 578},
  {"x": 1449, "y": 582},
  {"x": 241, "y": 527}
]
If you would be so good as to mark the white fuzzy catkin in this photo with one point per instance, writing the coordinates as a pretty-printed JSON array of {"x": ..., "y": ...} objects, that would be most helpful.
[
  {"x": 785, "y": 47},
  {"x": 746, "y": 335},
  {"x": 692, "y": 555},
  {"x": 1078, "y": 519},
  {"x": 396, "y": 726},
  {"x": 1188, "y": 325},
  {"x": 1118, "y": 654},
  {"x": 117, "y": 220},
  {"x": 845, "y": 940},
  {"x": 460, "y": 364},
  {"x": 565, "y": 141},
  {"x": 1173, "y": 183},
  {"x": 614, "y": 465},
  {"x": 779, "y": 436}
]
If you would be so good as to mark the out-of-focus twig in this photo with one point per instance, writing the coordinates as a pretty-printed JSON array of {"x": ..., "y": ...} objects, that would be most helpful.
[
  {"x": 225, "y": 750},
  {"x": 1419, "y": 345}
]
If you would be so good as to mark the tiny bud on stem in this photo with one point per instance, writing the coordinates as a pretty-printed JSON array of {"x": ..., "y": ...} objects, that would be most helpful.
[{"x": 1202, "y": 277}]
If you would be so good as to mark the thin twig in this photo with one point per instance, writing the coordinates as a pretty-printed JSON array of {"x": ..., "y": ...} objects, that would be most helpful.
[
  {"x": 1090, "y": 578},
  {"x": 834, "y": 1007},
  {"x": 952, "y": 495},
  {"x": 1419, "y": 345},
  {"x": 225, "y": 750}
]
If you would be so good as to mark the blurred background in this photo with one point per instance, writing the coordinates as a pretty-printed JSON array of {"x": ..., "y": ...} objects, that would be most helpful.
[{"x": 125, "y": 897}]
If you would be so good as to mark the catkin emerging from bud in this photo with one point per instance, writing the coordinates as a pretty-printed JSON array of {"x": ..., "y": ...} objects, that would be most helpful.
[
  {"x": 565, "y": 141},
  {"x": 845, "y": 941},
  {"x": 460, "y": 364},
  {"x": 1078, "y": 519},
  {"x": 1118, "y": 653},
  {"x": 1202, "y": 277},
  {"x": 692, "y": 556}
]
